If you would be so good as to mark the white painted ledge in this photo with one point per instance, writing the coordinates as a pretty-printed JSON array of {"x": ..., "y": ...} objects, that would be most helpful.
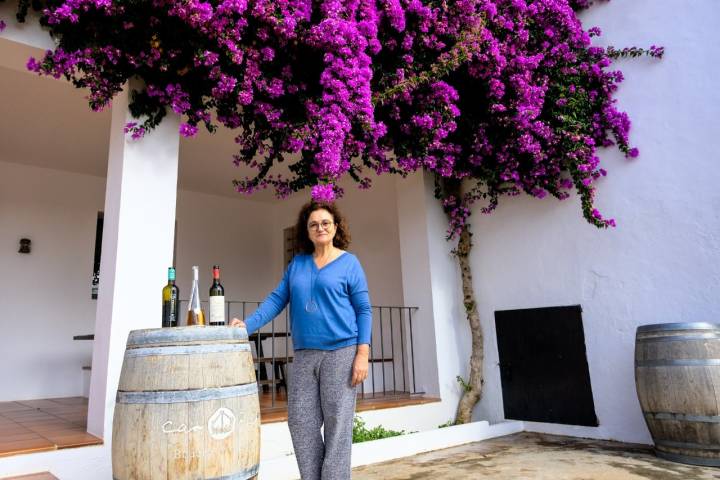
[{"x": 411, "y": 444}]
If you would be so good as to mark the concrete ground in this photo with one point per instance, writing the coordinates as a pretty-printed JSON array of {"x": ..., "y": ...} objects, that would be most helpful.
[{"x": 533, "y": 456}]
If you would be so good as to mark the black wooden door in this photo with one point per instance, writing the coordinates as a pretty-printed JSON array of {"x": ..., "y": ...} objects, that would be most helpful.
[{"x": 543, "y": 366}]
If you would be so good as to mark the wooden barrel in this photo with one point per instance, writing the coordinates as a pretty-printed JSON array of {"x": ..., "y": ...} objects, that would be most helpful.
[
  {"x": 187, "y": 406},
  {"x": 677, "y": 374}
]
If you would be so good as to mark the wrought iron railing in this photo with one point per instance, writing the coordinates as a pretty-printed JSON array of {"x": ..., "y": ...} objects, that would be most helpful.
[{"x": 392, "y": 353}]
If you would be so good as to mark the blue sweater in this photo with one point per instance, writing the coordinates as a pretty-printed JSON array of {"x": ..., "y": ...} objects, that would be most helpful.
[{"x": 329, "y": 307}]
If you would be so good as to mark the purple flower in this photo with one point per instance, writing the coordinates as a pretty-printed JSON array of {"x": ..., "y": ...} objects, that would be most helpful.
[
  {"x": 498, "y": 109},
  {"x": 323, "y": 193},
  {"x": 187, "y": 130},
  {"x": 138, "y": 133},
  {"x": 33, "y": 65}
]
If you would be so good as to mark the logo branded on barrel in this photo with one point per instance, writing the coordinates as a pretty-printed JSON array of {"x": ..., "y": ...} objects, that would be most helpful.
[{"x": 222, "y": 423}]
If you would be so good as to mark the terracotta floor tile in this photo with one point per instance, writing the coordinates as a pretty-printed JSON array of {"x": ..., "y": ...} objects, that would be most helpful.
[
  {"x": 66, "y": 415},
  {"x": 24, "y": 446},
  {"x": 8, "y": 430},
  {"x": 8, "y": 414},
  {"x": 71, "y": 401},
  {"x": 6, "y": 422},
  {"x": 64, "y": 412},
  {"x": 60, "y": 408},
  {"x": 38, "y": 403},
  {"x": 33, "y": 476},
  {"x": 66, "y": 428},
  {"x": 26, "y": 414},
  {"x": 79, "y": 423},
  {"x": 20, "y": 436},
  {"x": 47, "y": 424},
  {"x": 12, "y": 407},
  {"x": 30, "y": 414},
  {"x": 76, "y": 440},
  {"x": 51, "y": 420},
  {"x": 52, "y": 423},
  {"x": 30, "y": 422}
]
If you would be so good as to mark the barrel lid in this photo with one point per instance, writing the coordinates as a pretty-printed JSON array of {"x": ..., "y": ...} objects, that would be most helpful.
[
  {"x": 663, "y": 327},
  {"x": 186, "y": 334}
]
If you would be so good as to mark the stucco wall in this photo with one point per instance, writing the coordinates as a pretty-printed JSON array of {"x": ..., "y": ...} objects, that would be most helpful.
[
  {"x": 662, "y": 262},
  {"x": 45, "y": 295}
]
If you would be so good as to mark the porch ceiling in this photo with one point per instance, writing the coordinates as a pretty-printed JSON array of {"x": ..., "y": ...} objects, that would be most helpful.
[{"x": 47, "y": 123}]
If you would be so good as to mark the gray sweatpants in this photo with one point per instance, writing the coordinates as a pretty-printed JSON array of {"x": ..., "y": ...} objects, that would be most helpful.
[{"x": 320, "y": 394}]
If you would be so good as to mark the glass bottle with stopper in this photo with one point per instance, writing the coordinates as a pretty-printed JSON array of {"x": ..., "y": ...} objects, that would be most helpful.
[{"x": 196, "y": 316}]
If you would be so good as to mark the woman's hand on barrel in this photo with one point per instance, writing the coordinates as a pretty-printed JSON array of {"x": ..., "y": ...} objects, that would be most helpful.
[
  {"x": 360, "y": 365},
  {"x": 236, "y": 322}
]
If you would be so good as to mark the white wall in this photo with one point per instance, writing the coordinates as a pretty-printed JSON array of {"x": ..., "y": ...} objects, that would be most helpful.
[
  {"x": 45, "y": 296},
  {"x": 662, "y": 263},
  {"x": 233, "y": 233}
]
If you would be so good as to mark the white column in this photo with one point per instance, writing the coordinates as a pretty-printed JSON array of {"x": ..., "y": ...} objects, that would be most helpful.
[
  {"x": 416, "y": 279},
  {"x": 137, "y": 249},
  {"x": 431, "y": 281}
]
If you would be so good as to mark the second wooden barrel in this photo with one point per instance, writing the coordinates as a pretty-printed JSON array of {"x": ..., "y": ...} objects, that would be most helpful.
[
  {"x": 677, "y": 374},
  {"x": 187, "y": 406}
]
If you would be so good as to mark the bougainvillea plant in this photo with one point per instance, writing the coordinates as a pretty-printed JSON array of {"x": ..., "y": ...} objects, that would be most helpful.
[{"x": 494, "y": 97}]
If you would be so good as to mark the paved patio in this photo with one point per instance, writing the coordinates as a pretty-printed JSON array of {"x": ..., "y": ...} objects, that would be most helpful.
[{"x": 532, "y": 456}]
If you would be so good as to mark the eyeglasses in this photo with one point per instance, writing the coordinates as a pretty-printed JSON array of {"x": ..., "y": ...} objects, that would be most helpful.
[{"x": 325, "y": 224}]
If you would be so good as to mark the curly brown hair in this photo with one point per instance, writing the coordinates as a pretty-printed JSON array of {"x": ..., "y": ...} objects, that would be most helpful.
[{"x": 303, "y": 244}]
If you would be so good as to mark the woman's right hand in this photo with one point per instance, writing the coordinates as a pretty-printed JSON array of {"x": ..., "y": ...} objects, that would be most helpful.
[{"x": 236, "y": 322}]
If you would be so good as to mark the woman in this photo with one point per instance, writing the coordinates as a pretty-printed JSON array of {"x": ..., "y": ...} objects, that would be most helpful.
[{"x": 330, "y": 321}]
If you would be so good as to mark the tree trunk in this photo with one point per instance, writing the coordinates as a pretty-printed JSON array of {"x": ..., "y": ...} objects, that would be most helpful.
[
  {"x": 450, "y": 190},
  {"x": 473, "y": 387}
]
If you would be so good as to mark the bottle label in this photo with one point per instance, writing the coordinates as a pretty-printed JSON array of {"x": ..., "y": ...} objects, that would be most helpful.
[
  {"x": 217, "y": 310},
  {"x": 172, "y": 311}
]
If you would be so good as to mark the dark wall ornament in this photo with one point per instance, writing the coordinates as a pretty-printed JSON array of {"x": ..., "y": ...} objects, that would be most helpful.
[{"x": 24, "y": 245}]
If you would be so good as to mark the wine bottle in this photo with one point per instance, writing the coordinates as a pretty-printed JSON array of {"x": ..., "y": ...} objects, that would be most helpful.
[
  {"x": 170, "y": 298},
  {"x": 217, "y": 299},
  {"x": 195, "y": 313}
]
